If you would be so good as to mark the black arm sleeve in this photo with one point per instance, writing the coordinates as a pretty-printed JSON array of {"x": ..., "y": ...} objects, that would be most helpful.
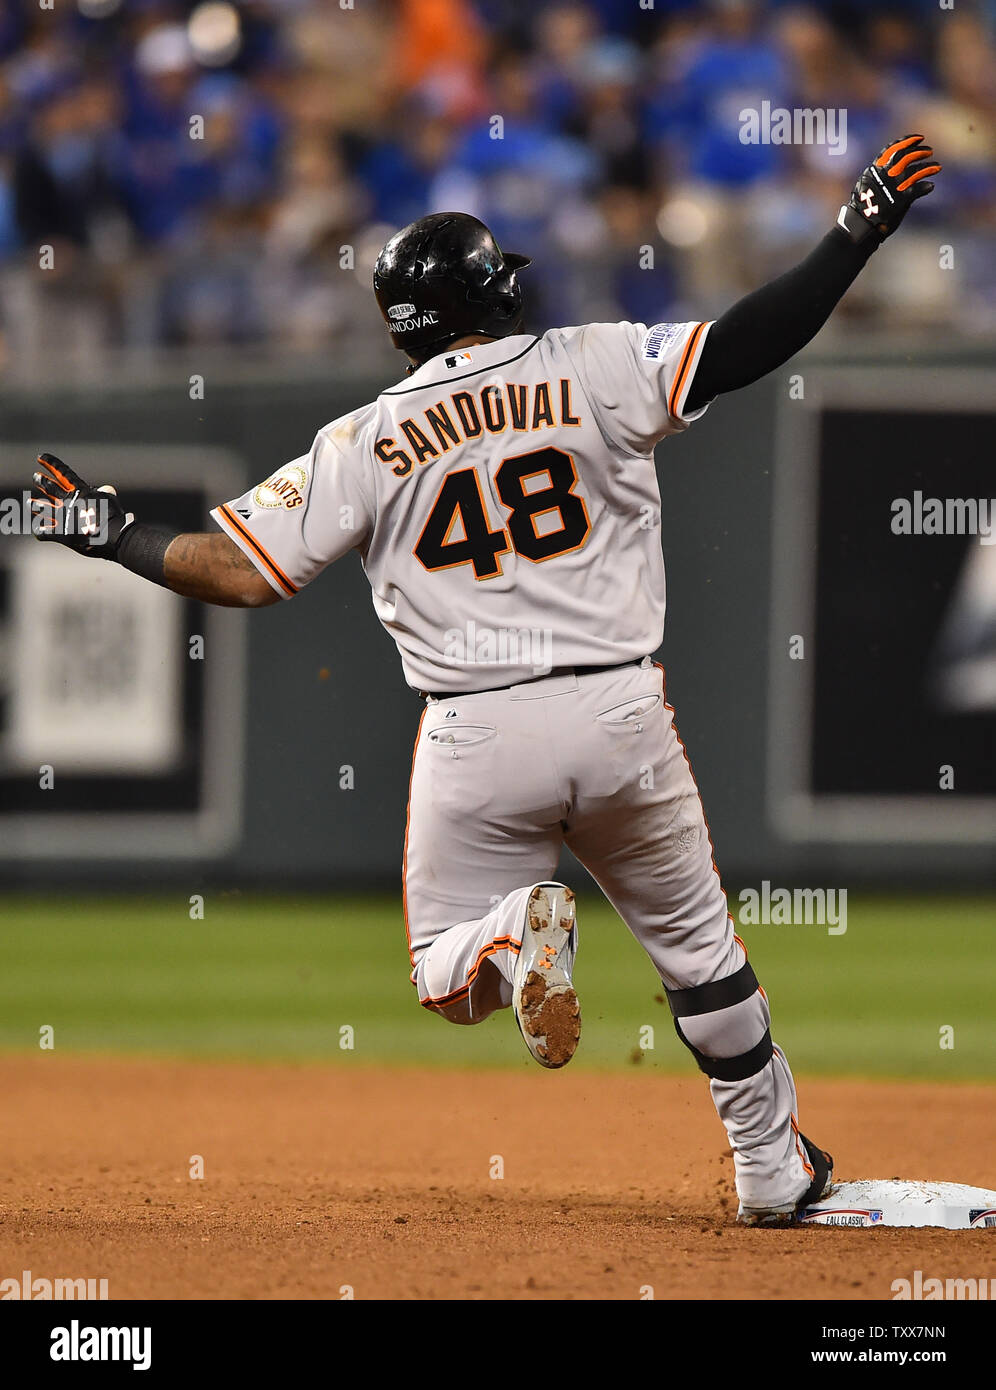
[{"x": 767, "y": 327}]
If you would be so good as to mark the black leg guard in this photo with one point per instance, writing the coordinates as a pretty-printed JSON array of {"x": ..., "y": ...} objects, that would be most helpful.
[{"x": 708, "y": 998}]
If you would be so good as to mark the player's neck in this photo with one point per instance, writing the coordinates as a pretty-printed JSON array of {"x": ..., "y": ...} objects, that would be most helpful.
[{"x": 471, "y": 339}]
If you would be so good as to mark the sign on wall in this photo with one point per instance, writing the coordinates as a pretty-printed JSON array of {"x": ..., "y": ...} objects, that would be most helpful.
[
  {"x": 883, "y": 656},
  {"x": 120, "y": 702},
  {"x": 96, "y": 659}
]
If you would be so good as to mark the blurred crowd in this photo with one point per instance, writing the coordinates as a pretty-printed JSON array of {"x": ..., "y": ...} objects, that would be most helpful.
[{"x": 223, "y": 174}]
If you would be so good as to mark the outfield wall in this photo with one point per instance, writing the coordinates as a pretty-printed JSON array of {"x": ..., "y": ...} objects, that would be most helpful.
[{"x": 286, "y": 755}]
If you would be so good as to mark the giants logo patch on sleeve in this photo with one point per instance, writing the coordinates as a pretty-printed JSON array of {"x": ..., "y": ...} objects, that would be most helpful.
[
  {"x": 284, "y": 489},
  {"x": 660, "y": 338}
]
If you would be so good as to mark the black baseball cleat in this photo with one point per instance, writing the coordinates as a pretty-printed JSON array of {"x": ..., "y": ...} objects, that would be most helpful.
[{"x": 791, "y": 1213}]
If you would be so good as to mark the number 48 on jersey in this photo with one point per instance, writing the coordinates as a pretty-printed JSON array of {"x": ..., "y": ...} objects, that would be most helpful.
[{"x": 461, "y": 499}]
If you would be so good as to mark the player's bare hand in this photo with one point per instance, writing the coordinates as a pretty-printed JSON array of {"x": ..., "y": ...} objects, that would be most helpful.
[
  {"x": 888, "y": 188},
  {"x": 67, "y": 509}
]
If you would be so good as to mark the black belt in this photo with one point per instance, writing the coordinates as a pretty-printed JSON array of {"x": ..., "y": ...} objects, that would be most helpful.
[{"x": 548, "y": 675}]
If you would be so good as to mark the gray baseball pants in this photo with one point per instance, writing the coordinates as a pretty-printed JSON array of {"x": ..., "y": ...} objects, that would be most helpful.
[{"x": 500, "y": 781}]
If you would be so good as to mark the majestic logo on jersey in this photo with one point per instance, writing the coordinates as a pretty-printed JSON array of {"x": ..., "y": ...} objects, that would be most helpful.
[
  {"x": 400, "y": 311},
  {"x": 660, "y": 337},
  {"x": 284, "y": 489},
  {"x": 406, "y": 325},
  {"x": 458, "y": 359}
]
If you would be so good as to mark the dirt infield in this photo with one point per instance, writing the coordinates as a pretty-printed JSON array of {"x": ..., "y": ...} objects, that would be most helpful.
[{"x": 316, "y": 1178}]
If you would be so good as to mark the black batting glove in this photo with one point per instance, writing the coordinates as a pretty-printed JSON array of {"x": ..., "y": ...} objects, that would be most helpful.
[
  {"x": 66, "y": 509},
  {"x": 887, "y": 189}
]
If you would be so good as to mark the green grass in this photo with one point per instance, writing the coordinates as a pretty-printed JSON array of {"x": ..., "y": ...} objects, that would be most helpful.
[{"x": 276, "y": 977}]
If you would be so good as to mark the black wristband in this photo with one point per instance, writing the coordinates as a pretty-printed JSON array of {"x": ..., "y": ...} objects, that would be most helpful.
[
  {"x": 854, "y": 228},
  {"x": 142, "y": 549}
]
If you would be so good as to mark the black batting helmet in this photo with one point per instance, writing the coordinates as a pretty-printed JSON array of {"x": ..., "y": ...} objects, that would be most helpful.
[{"x": 442, "y": 277}]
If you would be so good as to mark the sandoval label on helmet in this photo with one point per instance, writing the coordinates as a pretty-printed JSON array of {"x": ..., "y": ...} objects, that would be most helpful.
[{"x": 408, "y": 325}]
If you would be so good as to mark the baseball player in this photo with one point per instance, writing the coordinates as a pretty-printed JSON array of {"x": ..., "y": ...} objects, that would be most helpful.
[{"x": 505, "y": 506}]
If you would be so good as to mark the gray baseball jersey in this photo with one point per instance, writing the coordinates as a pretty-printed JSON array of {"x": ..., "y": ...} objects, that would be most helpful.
[{"x": 503, "y": 501}]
